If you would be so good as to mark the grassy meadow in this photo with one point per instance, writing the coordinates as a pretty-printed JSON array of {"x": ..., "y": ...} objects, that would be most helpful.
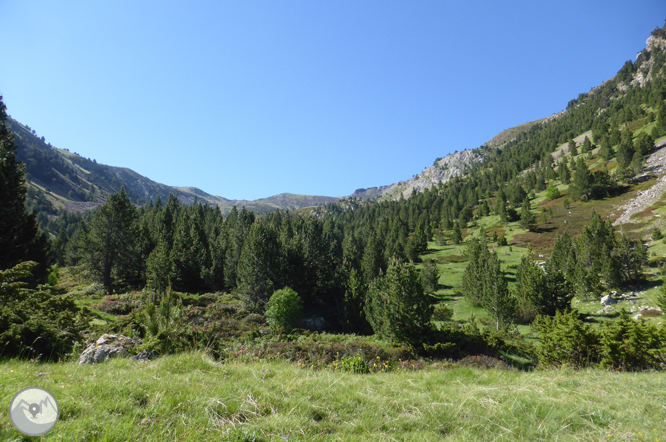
[{"x": 190, "y": 397}]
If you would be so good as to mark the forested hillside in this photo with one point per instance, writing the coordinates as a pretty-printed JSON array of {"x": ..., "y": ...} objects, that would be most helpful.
[
  {"x": 517, "y": 248},
  {"x": 62, "y": 183}
]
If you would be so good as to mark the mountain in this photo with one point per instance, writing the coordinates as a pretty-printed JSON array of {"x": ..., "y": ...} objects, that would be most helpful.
[{"x": 60, "y": 179}]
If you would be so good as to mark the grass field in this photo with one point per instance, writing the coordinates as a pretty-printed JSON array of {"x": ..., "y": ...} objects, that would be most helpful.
[{"x": 189, "y": 397}]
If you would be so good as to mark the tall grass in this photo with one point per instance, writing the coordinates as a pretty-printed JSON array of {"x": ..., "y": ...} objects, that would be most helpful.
[{"x": 189, "y": 397}]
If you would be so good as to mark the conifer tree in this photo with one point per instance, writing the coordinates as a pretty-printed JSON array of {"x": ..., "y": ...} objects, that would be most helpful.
[
  {"x": 527, "y": 218},
  {"x": 259, "y": 267},
  {"x": 572, "y": 148},
  {"x": 429, "y": 276},
  {"x": 495, "y": 296},
  {"x": 107, "y": 244},
  {"x": 396, "y": 306},
  {"x": 582, "y": 181},
  {"x": 159, "y": 271},
  {"x": 20, "y": 237},
  {"x": 457, "y": 233},
  {"x": 354, "y": 307}
]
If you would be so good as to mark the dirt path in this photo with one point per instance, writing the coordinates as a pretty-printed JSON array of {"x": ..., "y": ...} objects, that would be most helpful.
[{"x": 655, "y": 165}]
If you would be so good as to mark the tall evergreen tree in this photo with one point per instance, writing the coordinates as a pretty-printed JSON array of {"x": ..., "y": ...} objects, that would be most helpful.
[
  {"x": 107, "y": 244},
  {"x": 495, "y": 296},
  {"x": 20, "y": 238},
  {"x": 527, "y": 218},
  {"x": 397, "y": 307},
  {"x": 259, "y": 267}
]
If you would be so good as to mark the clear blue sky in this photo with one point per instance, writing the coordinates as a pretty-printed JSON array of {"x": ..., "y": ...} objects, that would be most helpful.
[{"x": 248, "y": 99}]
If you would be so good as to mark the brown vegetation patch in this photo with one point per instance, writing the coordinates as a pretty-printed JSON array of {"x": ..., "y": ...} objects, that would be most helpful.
[{"x": 451, "y": 259}]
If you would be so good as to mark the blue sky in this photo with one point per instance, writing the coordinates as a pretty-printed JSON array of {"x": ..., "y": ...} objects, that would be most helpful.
[{"x": 250, "y": 99}]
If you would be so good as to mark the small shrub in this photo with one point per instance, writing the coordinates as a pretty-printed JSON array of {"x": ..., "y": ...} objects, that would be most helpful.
[
  {"x": 501, "y": 241},
  {"x": 354, "y": 364},
  {"x": 552, "y": 192},
  {"x": 483, "y": 361},
  {"x": 442, "y": 312},
  {"x": 284, "y": 310},
  {"x": 657, "y": 235},
  {"x": 650, "y": 312}
]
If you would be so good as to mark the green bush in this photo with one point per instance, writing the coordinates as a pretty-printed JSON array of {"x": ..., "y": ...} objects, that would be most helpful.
[
  {"x": 284, "y": 311},
  {"x": 552, "y": 192},
  {"x": 566, "y": 341},
  {"x": 35, "y": 323},
  {"x": 442, "y": 312},
  {"x": 354, "y": 364},
  {"x": 656, "y": 234},
  {"x": 633, "y": 345}
]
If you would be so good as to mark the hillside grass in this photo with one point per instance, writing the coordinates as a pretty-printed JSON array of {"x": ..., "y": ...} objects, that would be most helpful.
[{"x": 188, "y": 397}]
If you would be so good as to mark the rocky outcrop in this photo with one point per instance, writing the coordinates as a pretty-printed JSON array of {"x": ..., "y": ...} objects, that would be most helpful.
[
  {"x": 608, "y": 300},
  {"x": 107, "y": 346},
  {"x": 655, "y": 165}
]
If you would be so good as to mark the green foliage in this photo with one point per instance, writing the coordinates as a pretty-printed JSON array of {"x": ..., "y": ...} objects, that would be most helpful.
[
  {"x": 552, "y": 192},
  {"x": 164, "y": 324},
  {"x": 656, "y": 234},
  {"x": 471, "y": 280},
  {"x": 355, "y": 364},
  {"x": 107, "y": 244},
  {"x": 354, "y": 307},
  {"x": 35, "y": 323},
  {"x": 457, "y": 234},
  {"x": 527, "y": 218},
  {"x": 442, "y": 312},
  {"x": 20, "y": 237},
  {"x": 581, "y": 185},
  {"x": 396, "y": 306},
  {"x": 54, "y": 275},
  {"x": 495, "y": 296},
  {"x": 159, "y": 270},
  {"x": 565, "y": 340},
  {"x": 284, "y": 311},
  {"x": 547, "y": 290},
  {"x": 661, "y": 297},
  {"x": 429, "y": 276},
  {"x": 633, "y": 345},
  {"x": 260, "y": 266}
]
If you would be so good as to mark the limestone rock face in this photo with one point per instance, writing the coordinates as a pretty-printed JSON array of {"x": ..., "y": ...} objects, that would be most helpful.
[{"x": 107, "y": 346}]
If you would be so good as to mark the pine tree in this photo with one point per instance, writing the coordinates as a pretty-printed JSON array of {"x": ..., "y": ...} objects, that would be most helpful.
[
  {"x": 159, "y": 271},
  {"x": 495, "y": 296},
  {"x": 572, "y": 148},
  {"x": 429, "y": 276},
  {"x": 259, "y": 267},
  {"x": 107, "y": 245},
  {"x": 354, "y": 307},
  {"x": 527, "y": 218},
  {"x": 396, "y": 306},
  {"x": 565, "y": 173},
  {"x": 20, "y": 238},
  {"x": 457, "y": 233},
  {"x": 582, "y": 181},
  {"x": 475, "y": 251},
  {"x": 606, "y": 152}
]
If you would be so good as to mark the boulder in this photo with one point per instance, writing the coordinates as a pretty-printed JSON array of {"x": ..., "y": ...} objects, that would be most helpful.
[
  {"x": 637, "y": 317},
  {"x": 608, "y": 300},
  {"x": 144, "y": 356},
  {"x": 107, "y": 346}
]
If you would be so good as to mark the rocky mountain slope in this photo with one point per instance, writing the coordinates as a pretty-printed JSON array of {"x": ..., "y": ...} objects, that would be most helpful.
[{"x": 60, "y": 179}]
